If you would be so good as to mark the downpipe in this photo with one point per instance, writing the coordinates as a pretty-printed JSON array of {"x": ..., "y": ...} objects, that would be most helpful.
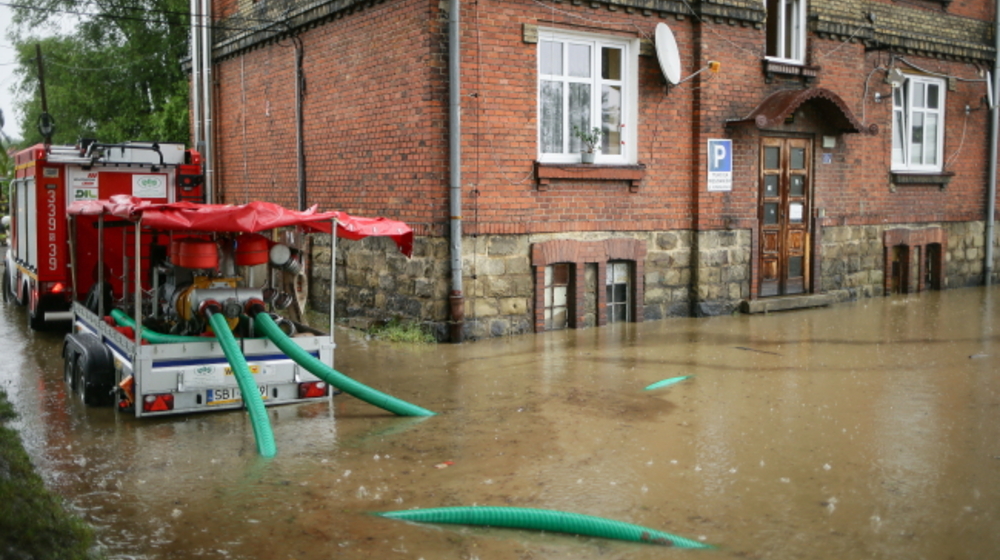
[
  {"x": 991, "y": 197},
  {"x": 456, "y": 299}
]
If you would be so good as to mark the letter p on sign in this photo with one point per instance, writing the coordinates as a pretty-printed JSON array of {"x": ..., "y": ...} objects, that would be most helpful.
[{"x": 720, "y": 155}]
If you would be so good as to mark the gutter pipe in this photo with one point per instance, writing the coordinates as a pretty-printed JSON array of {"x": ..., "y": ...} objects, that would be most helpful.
[
  {"x": 299, "y": 133},
  {"x": 206, "y": 87},
  {"x": 196, "y": 72},
  {"x": 456, "y": 299},
  {"x": 991, "y": 197}
]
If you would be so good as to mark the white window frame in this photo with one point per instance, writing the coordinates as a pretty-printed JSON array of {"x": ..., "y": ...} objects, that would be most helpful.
[
  {"x": 904, "y": 157},
  {"x": 629, "y": 89},
  {"x": 618, "y": 272},
  {"x": 791, "y": 29}
]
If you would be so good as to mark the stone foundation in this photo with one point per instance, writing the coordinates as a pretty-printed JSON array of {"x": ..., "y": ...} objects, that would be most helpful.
[
  {"x": 854, "y": 258},
  {"x": 683, "y": 273}
]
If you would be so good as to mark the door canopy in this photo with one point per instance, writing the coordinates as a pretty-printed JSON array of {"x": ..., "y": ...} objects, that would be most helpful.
[{"x": 772, "y": 112}]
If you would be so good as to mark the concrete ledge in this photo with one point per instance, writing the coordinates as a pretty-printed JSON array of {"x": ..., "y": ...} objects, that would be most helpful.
[{"x": 786, "y": 303}]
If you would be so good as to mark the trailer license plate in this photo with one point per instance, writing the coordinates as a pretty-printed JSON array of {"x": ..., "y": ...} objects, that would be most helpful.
[{"x": 230, "y": 395}]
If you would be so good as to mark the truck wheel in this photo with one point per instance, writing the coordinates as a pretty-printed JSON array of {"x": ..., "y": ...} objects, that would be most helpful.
[
  {"x": 6, "y": 284},
  {"x": 36, "y": 317}
]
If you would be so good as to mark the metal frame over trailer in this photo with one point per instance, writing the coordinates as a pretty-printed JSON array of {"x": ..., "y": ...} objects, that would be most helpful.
[{"x": 118, "y": 351}]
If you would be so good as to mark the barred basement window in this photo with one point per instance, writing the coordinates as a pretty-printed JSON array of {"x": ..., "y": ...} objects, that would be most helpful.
[
  {"x": 619, "y": 283},
  {"x": 557, "y": 286}
]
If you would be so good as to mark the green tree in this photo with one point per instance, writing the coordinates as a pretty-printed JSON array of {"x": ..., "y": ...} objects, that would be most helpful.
[{"x": 116, "y": 76}]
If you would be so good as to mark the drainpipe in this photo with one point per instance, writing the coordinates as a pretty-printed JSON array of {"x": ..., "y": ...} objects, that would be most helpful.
[
  {"x": 991, "y": 197},
  {"x": 299, "y": 135},
  {"x": 206, "y": 87},
  {"x": 196, "y": 72},
  {"x": 456, "y": 299}
]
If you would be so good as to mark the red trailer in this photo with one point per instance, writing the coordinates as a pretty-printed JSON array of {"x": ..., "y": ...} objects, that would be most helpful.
[{"x": 47, "y": 180}]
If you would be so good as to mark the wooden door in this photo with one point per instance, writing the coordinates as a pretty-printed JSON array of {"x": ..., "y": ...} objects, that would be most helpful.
[{"x": 785, "y": 188}]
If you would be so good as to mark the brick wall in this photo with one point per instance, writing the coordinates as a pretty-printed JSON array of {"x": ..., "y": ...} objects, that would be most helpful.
[{"x": 376, "y": 133}]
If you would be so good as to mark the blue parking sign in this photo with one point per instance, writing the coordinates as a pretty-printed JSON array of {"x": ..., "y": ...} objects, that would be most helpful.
[{"x": 720, "y": 165}]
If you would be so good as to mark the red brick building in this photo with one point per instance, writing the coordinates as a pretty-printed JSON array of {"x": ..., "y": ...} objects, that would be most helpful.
[{"x": 811, "y": 150}]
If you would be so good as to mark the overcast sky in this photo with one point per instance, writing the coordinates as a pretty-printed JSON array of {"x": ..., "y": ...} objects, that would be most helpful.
[
  {"x": 55, "y": 24},
  {"x": 7, "y": 74}
]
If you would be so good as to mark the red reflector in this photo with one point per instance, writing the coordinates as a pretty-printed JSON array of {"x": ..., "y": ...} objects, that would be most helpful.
[
  {"x": 157, "y": 403},
  {"x": 312, "y": 389}
]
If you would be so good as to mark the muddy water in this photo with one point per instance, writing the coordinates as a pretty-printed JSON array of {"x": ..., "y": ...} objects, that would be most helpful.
[{"x": 863, "y": 430}]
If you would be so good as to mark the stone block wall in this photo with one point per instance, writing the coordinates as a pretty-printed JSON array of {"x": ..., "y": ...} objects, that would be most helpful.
[
  {"x": 853, "y": 257},
  {"x": 375, "y": 282}
]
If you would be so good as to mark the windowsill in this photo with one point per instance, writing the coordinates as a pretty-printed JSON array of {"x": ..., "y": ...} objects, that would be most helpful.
[
  {"x": 545, "y": 173},
  {"x": 919, "y": 179},
  {"x": 788, "y": 69}
]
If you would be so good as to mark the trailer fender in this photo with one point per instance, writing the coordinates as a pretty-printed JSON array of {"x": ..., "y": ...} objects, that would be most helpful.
[{"x": 91, "y": 368}]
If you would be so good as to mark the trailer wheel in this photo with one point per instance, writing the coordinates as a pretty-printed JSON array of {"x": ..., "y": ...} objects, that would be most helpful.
[
  {"x": 89, "y": 386},
  {"x": 91, "y": 369},
  {"x": 69, "y": 363}
]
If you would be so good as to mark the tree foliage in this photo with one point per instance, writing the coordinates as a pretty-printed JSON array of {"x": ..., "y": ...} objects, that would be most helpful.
[{"x": 116, "y": 76}]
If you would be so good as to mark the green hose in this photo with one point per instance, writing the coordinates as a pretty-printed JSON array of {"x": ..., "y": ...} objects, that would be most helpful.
[
  {"x": 666, "y": 382},
  {"x": 267, "y": 327},
  {"x": 544, "y": 520},
  {"x": 251, "y": 396},
  {"x": 154, "y": 337}
]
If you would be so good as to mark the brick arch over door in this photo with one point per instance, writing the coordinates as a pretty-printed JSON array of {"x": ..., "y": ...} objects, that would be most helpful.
[{"x": 579, "y": 254}]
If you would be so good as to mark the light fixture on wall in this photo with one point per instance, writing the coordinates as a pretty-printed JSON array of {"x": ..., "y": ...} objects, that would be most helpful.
[{"x": 895, "y": 79}]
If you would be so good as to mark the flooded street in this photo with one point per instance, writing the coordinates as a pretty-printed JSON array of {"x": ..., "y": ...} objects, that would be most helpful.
[{"x": 863, "y": 430}]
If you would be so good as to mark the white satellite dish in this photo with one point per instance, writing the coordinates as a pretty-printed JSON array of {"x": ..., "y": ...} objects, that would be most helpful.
[{"x": 666, "y": 52}]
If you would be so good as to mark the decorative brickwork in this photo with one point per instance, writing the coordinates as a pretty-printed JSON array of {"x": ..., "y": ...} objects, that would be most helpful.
[
  {"x": 916, "y": 242},
  {"x": 579, "y": 253}
]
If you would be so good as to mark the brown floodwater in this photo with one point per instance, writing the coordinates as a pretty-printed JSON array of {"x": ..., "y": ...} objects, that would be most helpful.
[{"x": 863, "y": 430}]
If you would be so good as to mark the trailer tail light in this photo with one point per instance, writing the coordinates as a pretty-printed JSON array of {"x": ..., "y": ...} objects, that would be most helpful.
[
  {"x": 312, "y": 389},
  {"x": 158, "y": 403}
]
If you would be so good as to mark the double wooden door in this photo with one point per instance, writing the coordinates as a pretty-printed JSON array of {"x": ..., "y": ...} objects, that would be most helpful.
[{"x": 785, "y": 188}]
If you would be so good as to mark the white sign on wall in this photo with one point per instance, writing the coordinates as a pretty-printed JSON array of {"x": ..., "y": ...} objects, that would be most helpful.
[
  {"x": 149, "y": 186},
  {"x": 83, "y": 185},
  {"x": 720, "y": 165}
]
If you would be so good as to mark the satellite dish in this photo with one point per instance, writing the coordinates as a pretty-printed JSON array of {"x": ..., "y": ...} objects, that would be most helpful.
[{"x": 666, "y": 52}]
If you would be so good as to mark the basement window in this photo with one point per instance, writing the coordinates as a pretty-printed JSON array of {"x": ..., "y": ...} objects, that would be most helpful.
[{"x": 557, "y": 288}]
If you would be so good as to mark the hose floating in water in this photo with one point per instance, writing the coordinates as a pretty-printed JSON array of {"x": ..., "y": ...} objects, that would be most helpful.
[
  {"x": 266, "y": 326},
  {"x": 666, "y": 382},
  {"x": 544, "y": 520},
  {"x": 251, "y": 395}
]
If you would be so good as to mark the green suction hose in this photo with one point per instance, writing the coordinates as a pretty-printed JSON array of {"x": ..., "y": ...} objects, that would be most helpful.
[
  {"x": 266, "y": 326},
  {"x": 251, "y": 396},
  {"x": 544, "y": 520},
  {"x": 154, "y": 337},
  {"x": 666, "y": 382}
]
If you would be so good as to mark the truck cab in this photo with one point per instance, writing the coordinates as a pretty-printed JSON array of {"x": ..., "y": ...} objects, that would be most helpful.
[{"x": 47, "y": 180}]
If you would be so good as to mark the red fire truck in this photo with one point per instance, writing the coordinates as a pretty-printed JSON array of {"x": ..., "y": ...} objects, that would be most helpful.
[{"x": 47, "y": 180}]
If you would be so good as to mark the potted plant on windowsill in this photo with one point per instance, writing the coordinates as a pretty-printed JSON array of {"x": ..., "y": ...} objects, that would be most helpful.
[{"x": 591, "y": 142}]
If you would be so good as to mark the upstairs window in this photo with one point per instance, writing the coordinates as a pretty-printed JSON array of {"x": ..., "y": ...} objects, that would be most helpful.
[
  {"x": 918, "y": 124},
  {"x": 586, "y": 81},
  {"x": 786, "y": 30}
]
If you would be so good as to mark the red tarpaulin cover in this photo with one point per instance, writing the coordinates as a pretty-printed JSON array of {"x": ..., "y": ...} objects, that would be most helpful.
[{"x": 247, "y": 218}]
